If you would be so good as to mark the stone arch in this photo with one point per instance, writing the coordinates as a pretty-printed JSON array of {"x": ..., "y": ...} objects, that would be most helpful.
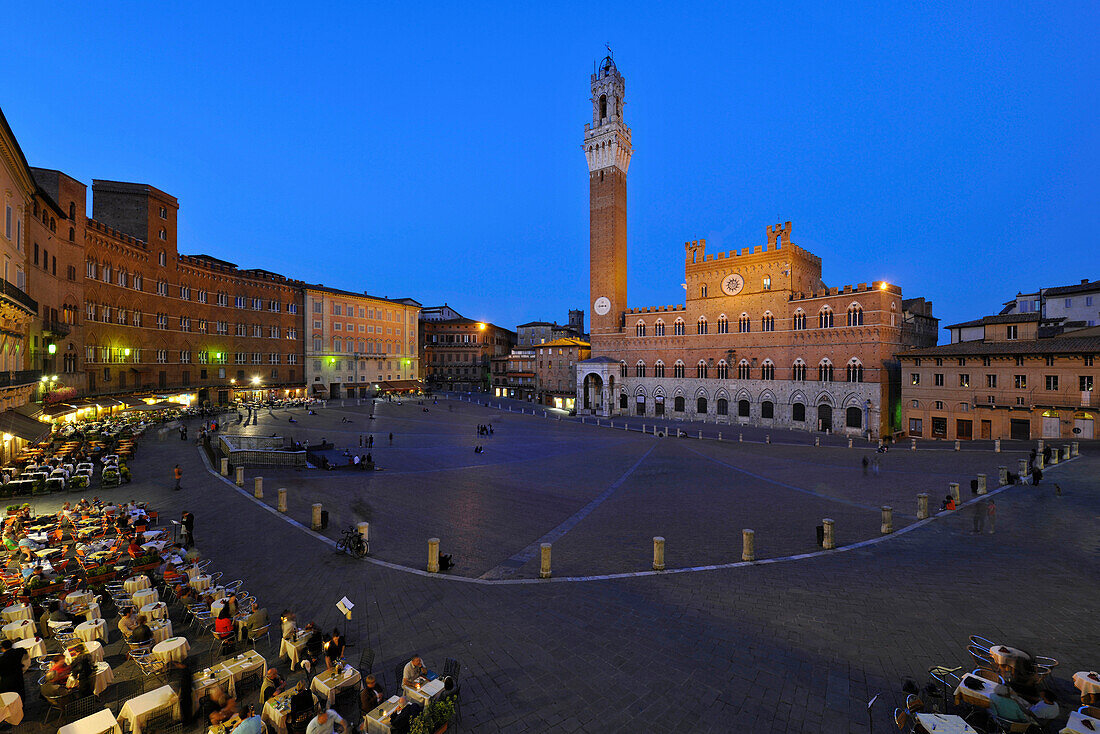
[
  {"x": 721, "y": 393},
  {"x": 766, "y": 394},
  {"x": 743, "y": 394},
  {"x": 702, "y": 393},
  {"x": 798, "y": 397},
  {"x": 678, "y": 392},
  {"x": 658, "y": 392},
  {"x": 640, "y": 390},
  {"x": 825, "y": 398},
  {"x": 852, "y": 400}
]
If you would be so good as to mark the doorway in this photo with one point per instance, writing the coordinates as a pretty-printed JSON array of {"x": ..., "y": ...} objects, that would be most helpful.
[{"x": 987, "y": 429}]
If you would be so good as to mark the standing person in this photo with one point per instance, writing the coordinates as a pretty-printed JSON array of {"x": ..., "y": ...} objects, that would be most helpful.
[
  {"x": 188, "y": 523},
  {"x": 391, "y": 439},
  {"x": 865, "y": 463},
  {"x": 360, "y": 441},
  {"x": 178, "y": 474},
  {"x": 980, "y": 512},
  {"x": 991, "y": 513},
  {"x": 11, "y": 669},
  {"x": 370, "y": 441}
]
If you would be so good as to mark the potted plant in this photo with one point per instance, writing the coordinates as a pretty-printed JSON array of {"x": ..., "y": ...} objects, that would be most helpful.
[
  {"x": 13, "y": 509},
  {"x": 146, "y": 562},
  {"x": 434, "y": 718}
]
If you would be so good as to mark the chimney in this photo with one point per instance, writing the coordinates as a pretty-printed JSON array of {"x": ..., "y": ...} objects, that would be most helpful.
[{"x": 1084, "y": 281}]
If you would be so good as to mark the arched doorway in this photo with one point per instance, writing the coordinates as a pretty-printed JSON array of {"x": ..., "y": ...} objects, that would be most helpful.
[
  {"x": 1052, "y": 427},
  {"x": 853, "y": 418},
  {"x": 824, "y": 417},
  {"x": 593, "y": 391}
]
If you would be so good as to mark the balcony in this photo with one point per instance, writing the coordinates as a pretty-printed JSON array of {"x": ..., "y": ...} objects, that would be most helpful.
[
  {"x": 22, "y": 377},
  {"x": 1068, "y": 398},
  {"x": 58, "y": 329},
  {"x": 18, "y": 298}
]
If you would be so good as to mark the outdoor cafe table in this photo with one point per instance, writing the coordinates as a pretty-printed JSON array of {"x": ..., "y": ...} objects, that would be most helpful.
[
  {"x": 145, "y": 596},
  {"x": 103, "y": 678},
  {"x": 205, "y": 680},
  {"x": 1079, "y": 724},
  {"x": 78, "y": 599},
  {"x": 236, "y": 668},
  {"x": 276, "y": 710},
  {"x": 424, "y": 691},
  {"x": 156, "y": 610},
  {"x": 35, "y": 647},
  {"x": 19, "y": 630},
  {"x": 378, "y": 718},
  {"x": 99, "y": 723},
  {"x": 89, "y": 631},
  {"x": 943, "y": 724},
  {"x": 93, "y": 649},
  {"x": 155, "y": 545},
  {"x": 1004, "y": 655},
  {"x": 11, "y": 708},
  {"x": 1086, "y": 681},
  {"x": 198, "y": 583},
  {"x": 135, "y": 584},
  {"x": 138, "y": 710},
  {"x": 330, "y": 682},
  {"x": 16, "y": 612},
  {"x": 971, "y": 695},
  {"x": 174, "y": 648},
  {"x": 293, "y": 648},
  {"x": 161, "y": 628}
]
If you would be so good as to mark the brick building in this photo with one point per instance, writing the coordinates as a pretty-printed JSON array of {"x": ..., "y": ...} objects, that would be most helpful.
[
  {"x": 1004, "y": 376},
  {"x": 513, "y": 375},
  {"x": 556, "y": 370},
  {"x": 455, "y": 353},
  {"x": 360, "y": 345},
  {"x": 760, "y": 338}
]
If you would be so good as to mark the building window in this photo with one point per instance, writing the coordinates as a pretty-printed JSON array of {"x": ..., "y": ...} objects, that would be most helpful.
[
  {"x": 937, "y": 379},
  {"x": 855, "y": 372},
  {"x": 825, "y": 318},
  {"x": 163, "y": 233},
  {"x": 678, "y": 327},
  {"x": 767, "y": 283},
  {"x": 1088, "y": 360},
  {"x": 768, "y": 322},
  {"x": 825, "y": 371},
  {"x": 703, "y": 292},
  {"x": 1011, "y": 331},
  {"x": 799, "y": 320},
  {"x": 1050, "y": 360},
  {"x": 723, "y": 325},
  {"x": 658, "y": 369},
  {"x": 964, "y": 380},
  {"x": 639, "y": 329},
  {"x": 702, "y": 325},
  {"x": 1052, "y": 382},
  {"x": 622, "y": 367},
  {"x": 659, "y": 328},
  {"x": 991, "y": 381},
  {"x": 1085, "y": 382},
  {"x": 855, "y": 315},
  {"x": 678, "y": 370},
  {"x": 914, "y": 378},
  {"x": 701, "y": 370},
  {"x": 1019, "y": 382},
  {"x": 744, "y": 324},
  {"x": 744, "y": 370},
  {"x": 767, "y": 370},
  {"x": 639, "y": 369},
  {"x": 798, "y": 371}
]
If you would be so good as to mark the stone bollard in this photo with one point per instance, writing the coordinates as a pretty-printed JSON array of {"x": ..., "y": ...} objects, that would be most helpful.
[
  {"x": 433, "y": 555},
  {"x": 719, "y": 436},
  {"x": 282, "y": 499},
  {"x": 315, "y": 517},
  {"x": 817, "y": 440},
  {"x": 1040, "y": 460},
  {"x": 912, "y": 444},
  {"x": 828, "y": 539},
  {"x": 887, "y": 520},
  {"x": 958, "y": 445},
  {"x": 658, "y": 553},
  {"x": 748, "y": 545},
  {"x": 982, "y": 489},
  {"x": 240, "y": 476},
  {"x": 1065, "y": 453},
  {"x": 767, "y": 438},
  {"x": 225, "y": 466},
  {"x": 740, "y": 437},
  {"x": 1041, "y": 445},
  {"x": 700, "y": 435},
  {"x": 1023, "y": 468},
  {"x": 1002, "y": 476},
  {"x": 849, "y": 442},
  {"x": 997, "y": 445},
  {"x": 364, "y": 533},
  {"x": 953, "y": 490},
  {"x": 544, "y": 566},
  {"x": 922, "y": 506},
  {"x": 1054, "y": 457},
  {"x": 1074, "y": 449},
  {"x": 258, "y": 488}
]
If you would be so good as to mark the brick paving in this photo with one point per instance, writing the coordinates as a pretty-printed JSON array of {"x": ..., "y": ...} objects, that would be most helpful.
[{"x": 795, "y": 646}]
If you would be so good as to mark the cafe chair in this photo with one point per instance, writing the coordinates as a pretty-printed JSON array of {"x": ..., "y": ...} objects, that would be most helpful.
[
  {"x": 398, "y": 676},
  {"x": 82, "y": 707},
  {"x": 256, "y": 634},
  {"x": 901, "y": 717},
  {"x": 1004, "y": 726},
  {"x": 366, "y": 661},
  {"x": 54, "y": 703},
  {"x": 158, "y": 721},
  {"x": 949, "y": 680},
  {"x": 982, "y": 642},
  {"x": 1045, "y": 661},
  {"x": 250, "y": 682},
  {"x": 1091, "y": 711}
]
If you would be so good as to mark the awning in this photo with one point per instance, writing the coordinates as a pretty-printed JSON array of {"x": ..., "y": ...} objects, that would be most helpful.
[
  {"x": 132, "y": 401},
  {"x": 20, "y": 425},
  {"x": 320, "y": 388},
  {"x": 163, "y": 405},
  {"x": 59, "y": 409},
  {"x": 401, "y": 385}
]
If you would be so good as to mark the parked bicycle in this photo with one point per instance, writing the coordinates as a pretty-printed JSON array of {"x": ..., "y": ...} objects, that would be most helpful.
[{"x": 352, "y": 542}]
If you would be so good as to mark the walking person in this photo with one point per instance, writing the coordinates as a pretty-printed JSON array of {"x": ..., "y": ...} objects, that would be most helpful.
[
  {"x": 992, "y": 515},
  {"x": 391, "y": 439},
  {"x": 187, "y": 521},
  {"x": 178, "y": 474},
  {"x": 865, "y": 463},
  {"x": 980, "y": 512}
]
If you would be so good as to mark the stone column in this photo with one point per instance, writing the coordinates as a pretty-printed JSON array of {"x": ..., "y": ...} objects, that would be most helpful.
[
  {"x": 829, "y": 539},
  {"x": 364, "y": 533},
  {"x": 982, "y": 489},
  {"x": 748, "y": 545},
  {"x": 887, "y": 519},
  {"x": 997, "y": 445},
  {"x": 1023, "y": 468},
  {"x": 240, "y": 476},
  {"x": 658, "y": 553},
  {"x": 315, "y": 518},
  {"x": 953, "y": 490},
  {"x": 282, "y": 499},
  {"x": 922, "y": 506},
  {"x": 225, "y": 466},
  {"x": 433, "y": 555},
  {"x": 258, "y": 487},
  {"x": 544, "y": 566},
  {"x": 1002, "y": 476}
]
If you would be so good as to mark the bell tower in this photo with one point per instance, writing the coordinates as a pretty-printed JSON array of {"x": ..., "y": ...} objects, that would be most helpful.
[{"x": 608, "y": 149}]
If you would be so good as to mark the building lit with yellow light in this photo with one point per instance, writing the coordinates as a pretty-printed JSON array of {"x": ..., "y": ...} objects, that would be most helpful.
[{"x": 456, "y": 352}]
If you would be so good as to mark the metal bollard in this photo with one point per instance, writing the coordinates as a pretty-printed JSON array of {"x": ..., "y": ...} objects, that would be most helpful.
[
  {"x": 225, "y": 466},
  {"x": 433, "y": 555},
  {"x": 240, "y": 476},
  {"x": 953, "y": 490},
  {"x": 544, "y": 565},
  {"x": 658, "y": 553},
  {"x": 997, "y": 445},
  {"x": 1055, "y": 457},
  {"x": 315, "y": 517},
  {"x": 719, "y": 436},
  {"x": 828, "y": 539},
  {"x": 364, "y": 533},
  {"x": 282, "y": 500},
  {"x": 258, "y": 488},
  {"x": 887, "y": 520},
  {"x": 982, "y": 489},
  {"x": 700, "y": 435},
  {"x": 922, "y": 506},
  {"x": 748, "y": 545}
]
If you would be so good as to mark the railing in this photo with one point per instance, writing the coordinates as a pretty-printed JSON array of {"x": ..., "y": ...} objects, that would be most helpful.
[
  {"x": 1069, "y": 397},
  {"x": 57, "y": 328},
  {"x": 18, "y": 296},
  {"x": 22, "y": 377}
]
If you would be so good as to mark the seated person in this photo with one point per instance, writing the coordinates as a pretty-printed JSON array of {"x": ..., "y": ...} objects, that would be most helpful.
[
  {"x": 273, "y": 685},
  {"x": 1047, "y": 708},
  {"x": 255, "y": 622},
  {"x": 314, "y": 645},
  {"x": 251, "y": 723},
  {"x": 413, "y": 669},
  {"x": 56, "y": 613},
  {"x": 230, "y": 601},
  {"x": 141, "y": 632},
  {"x": 223, "y": 625},
  {"x": 402, "y": 717},
  {"x": 371, "y": 695},
  {"x": 217, "y": 706},
  {"x": 134, "y": 549},
  {"x": 289, "y": 625},
  {"x": 326, "y": 722},
  {"x": 302, "y": 701},
  {"x": 1004, "y": 706}
]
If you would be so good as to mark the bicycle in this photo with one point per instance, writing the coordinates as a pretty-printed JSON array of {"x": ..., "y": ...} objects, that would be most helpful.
[{"x": 352, "y": 542}]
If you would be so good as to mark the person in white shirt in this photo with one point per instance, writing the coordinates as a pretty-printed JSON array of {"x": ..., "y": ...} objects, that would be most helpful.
[
  {"x": 326, "y": 722},
  {"x": 1047, "y": 707}
]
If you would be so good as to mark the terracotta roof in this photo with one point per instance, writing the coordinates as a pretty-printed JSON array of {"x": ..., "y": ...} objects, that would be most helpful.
[
  {"x": 1078, "y": 288},
  {"x": 998, "y": 319},
  {"x": 1056, "y": 345},
  {"x": 566, "y": 341}
]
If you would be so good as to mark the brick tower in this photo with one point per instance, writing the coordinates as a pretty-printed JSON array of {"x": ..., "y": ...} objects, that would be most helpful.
[{"x": 607, "y": 148}]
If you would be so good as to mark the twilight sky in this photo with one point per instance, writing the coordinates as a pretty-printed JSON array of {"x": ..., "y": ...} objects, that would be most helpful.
[{"x": 951, "y": 148}]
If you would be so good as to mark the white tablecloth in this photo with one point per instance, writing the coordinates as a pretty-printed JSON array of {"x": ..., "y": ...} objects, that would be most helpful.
[
  {"x": 198, "y": 583},
  {"x": 35, "y": 647},
  {"x": 1004, "y": 655},
  {"x": 293, "y": 649},
  {"x": 19, "y": 630},
  {"x": 157, "y": 610},
  {"x": 276, "y": 710},
  {"x": 103, "y": 678},
  {"x": 429, "y": 691},
  {"x": 11, "y": 708},
  {"x": 174, "y": 648},
  {"x": 89, "y": 631},
  {"x": 944, "y": 724},
  {"x": 137, "y": 710},
  {"x": 1085, "y": 683},
  {"x": 1076, "y": 724},
  {"x": 93, "y": 650},
  {"x": 104, "y": 721},
  {"x": 157, "y": 545},
  {"x": 378, "y": 718},
  {"x": 328, "y": 684},
  {"x": 137, "y": 583},
  {"x": 145, "y": 596},
  {"x": 233, "y": 669},
  {"x": 162, "y": 629},
  {"x": 78, "y": 600},
  {"x": 16, "y": 612}
]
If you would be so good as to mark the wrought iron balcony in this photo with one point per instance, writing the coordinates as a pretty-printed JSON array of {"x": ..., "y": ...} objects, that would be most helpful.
[{"x": 18, "y": 297}]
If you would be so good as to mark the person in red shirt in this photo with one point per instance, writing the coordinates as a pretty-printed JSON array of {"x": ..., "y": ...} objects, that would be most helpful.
[
  {"x": 223, "y": 625},
  {"x": 135, "y": 550}
]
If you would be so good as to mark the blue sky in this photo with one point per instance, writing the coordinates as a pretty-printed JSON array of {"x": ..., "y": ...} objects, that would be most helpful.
[{"x": 433, "y": 151}]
